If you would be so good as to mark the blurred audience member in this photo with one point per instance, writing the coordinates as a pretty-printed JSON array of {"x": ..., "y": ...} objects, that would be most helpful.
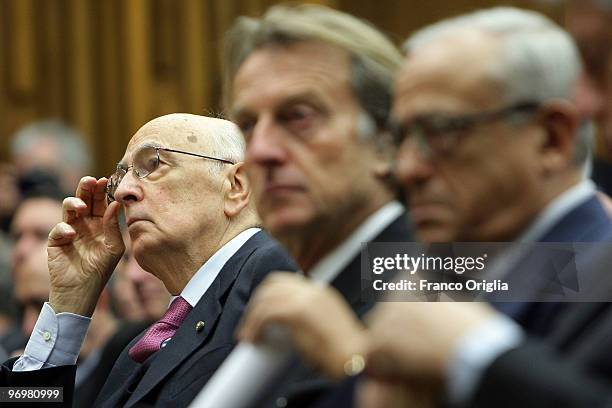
[
  {"x": 31, "y": 285},
  {"x": 310, "y": 88},
  {"x": 9, "y": 196},
  {"x": 54, "y": 147},
  {"x": 36, "y": 215},
  {"x": 490, "y": 147},
  {"x": 9, "y": 199},
  {"x": 137, "y": 294},
  {"x": 34, "y": 219}
]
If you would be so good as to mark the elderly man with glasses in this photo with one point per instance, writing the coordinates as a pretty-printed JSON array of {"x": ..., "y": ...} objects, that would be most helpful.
[
  {"x": 185, "y": 196},
  {"x": 493, "y": 149}
]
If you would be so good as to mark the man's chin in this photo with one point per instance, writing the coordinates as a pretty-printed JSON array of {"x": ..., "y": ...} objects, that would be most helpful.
[
  {"x": 435, "y": 232},
  {"x": 285, "y": 223},
  {"x": 143, "y": 248}
]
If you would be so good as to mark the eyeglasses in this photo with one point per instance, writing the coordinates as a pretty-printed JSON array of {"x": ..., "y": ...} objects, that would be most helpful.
[
  {"x": 439, "y": 134},
  {"x": 145, "y": 161}
]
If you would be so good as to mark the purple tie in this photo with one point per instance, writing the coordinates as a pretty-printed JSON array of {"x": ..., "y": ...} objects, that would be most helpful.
[{"x": 161, "y": 331}]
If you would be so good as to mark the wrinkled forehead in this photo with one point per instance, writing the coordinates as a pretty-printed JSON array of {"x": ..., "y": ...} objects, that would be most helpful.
[{"x": 304, "y": 67}]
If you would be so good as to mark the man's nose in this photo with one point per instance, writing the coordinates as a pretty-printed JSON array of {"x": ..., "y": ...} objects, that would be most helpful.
[
  {"x": 266, "y": 144},
  {"x": 129, "y": 188},
  {"x": 413, "y": 165},
  {"x": 23, "y": 247}
]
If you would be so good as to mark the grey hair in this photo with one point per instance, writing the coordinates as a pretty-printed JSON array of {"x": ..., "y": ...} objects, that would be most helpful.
[
  {"x": 538, "y": 59},
  {"x": 374, "y": 58},
  {"x": 72, "y": 150},
  {"x": 227, "y": 143}
]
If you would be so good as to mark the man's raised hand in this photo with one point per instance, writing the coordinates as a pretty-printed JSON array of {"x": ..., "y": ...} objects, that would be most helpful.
[{"x": 84, "y": 249}]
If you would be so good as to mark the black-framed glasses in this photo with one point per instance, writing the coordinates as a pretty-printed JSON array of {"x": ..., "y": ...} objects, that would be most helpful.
[
  {"x": 145, "y": 160},
  {"x": 438, "y": 134}
]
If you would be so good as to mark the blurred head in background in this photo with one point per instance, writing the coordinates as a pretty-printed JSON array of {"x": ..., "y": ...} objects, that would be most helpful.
[
  {"x": 36, "y": 215},
  {"x": 34, "y": 218},
  {"x": 137, "y": 294},
  {"x": 54, "y": 147},
  {"x": 486, "y": 124},
  {"x": 310, "y": 88},
  {"x": 31, "y": 286},
  {"x": 9, "y": 195}
]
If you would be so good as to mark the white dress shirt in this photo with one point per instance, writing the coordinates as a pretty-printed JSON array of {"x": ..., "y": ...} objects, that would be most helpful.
[
  {"x": 333, "y": 263},
  {"x": 57, "y": 338}
]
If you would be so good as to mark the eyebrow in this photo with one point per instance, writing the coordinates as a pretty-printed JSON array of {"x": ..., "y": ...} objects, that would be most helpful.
[{"x": 309, "y": 97}]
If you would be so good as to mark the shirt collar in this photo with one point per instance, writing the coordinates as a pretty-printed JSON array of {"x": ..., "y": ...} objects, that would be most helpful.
[
  {"x": 333, "y": 263},
  {"x": 557, "y": 209},
  {"x": 205, "y": 276}
]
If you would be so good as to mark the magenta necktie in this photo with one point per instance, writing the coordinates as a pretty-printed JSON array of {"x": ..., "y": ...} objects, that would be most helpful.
[{"x": 161, "y": 331}]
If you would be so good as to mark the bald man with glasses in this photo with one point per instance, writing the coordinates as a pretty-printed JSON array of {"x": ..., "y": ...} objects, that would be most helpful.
[{"x": 182, "y": 187}]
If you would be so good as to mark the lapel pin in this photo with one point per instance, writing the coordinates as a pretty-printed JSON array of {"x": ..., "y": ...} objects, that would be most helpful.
[{"x": 199, "y": 326}]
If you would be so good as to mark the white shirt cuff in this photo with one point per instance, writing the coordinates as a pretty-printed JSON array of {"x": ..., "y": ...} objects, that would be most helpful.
[
  {"x": 475, "y": 352},
  {"x": 55, "y": 341}
]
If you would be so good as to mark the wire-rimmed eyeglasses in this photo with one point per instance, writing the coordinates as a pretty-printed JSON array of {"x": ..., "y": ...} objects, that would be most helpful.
[{"x": 145, "y": 161}]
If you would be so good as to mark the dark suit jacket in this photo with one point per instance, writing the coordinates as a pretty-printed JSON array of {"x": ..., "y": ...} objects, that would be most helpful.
[
  {"x": 301, "y": 386},
  {"x": 538, "y": 271},
  {"x": 573, "y": 369},
  {"x": 86, "y": 394},
  {"x": 572, "y": 365},
  {"x": 602, "y": 175},
  {"x": 174, "y": 375}
]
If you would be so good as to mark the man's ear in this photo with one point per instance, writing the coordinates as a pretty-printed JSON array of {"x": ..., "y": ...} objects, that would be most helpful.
[
  {"x": 238, "y": 194},
  {"x": 384, "y": 157},
  {"x": 560, "y": 121}
]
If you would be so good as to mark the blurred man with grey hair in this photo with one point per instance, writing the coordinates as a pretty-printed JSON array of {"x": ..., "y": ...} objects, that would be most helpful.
[
  {"x": 310, "y": 88},
  {"x": 492, "y": 149}
]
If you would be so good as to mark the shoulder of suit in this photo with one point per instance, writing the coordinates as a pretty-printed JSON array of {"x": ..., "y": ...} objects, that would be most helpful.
[{"x": 268, "y": 253}]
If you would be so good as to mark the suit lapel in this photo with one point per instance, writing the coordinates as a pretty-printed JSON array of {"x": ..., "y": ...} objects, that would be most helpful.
[
  {"x": 302, "y": 385},
  {"x": 348, "y": 282},
  {"x": 187, "y": 339},
  {"x": 586, "y": 223}
]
